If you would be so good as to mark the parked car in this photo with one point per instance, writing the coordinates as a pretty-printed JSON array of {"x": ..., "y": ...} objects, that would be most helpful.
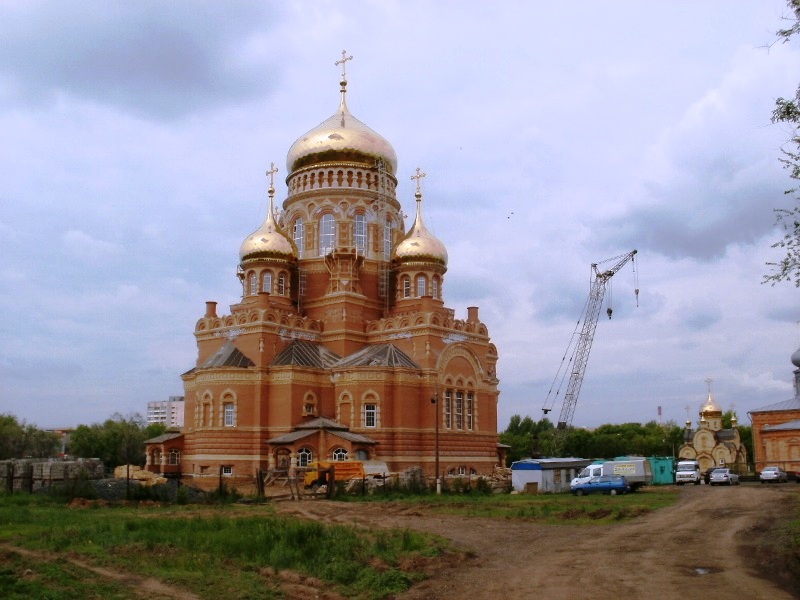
[
  {"x": 773, "y": 474},
  {"x": 604, "y": 484},
  {"x": 724, "y": 477},
  {"x": 707, "y": 475}
]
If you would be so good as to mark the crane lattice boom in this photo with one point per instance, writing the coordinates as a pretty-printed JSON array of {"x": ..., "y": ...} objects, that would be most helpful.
[{"x": 584, "y": 344}]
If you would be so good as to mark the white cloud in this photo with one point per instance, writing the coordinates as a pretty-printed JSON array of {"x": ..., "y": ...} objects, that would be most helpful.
[{"x": 553, "y": 137}]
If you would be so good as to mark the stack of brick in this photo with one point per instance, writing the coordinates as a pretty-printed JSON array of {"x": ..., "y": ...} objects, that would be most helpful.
[{"x": 30, "y": 475}]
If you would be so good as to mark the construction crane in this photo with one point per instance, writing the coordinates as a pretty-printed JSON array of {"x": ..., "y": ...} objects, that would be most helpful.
[{"x": 583, "y": 343}]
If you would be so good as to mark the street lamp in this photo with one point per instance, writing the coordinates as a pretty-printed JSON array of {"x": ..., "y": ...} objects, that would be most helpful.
[{"x": 435, "y": 402}]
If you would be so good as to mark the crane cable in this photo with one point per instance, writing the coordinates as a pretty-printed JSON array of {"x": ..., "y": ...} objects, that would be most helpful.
[{"x": 563, "y": 369}]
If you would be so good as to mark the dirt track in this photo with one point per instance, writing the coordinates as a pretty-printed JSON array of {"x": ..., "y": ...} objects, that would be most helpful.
[{"x": 700, "y": 548}]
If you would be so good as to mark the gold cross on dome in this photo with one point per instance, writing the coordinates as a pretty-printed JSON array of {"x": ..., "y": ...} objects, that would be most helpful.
[
  {"x": 709, "y": 381},
  {"x": 343, "y": 62},
  {"x": 272, "y": 170},
  {"x": 418, "y": 176}
]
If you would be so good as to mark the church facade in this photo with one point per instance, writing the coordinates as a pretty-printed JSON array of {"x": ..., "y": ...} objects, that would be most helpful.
[
  {"x": 776, "y": 429},
  {"x": 712, "y": 445},
  {"x": 342, "y": 346}
]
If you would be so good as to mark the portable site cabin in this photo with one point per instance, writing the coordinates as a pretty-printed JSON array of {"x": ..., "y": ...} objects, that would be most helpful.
[
  {"x": 663, "y": 468},
  {"x": 551, "y": 475}
]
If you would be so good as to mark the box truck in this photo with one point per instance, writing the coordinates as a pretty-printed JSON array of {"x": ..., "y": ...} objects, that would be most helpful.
[{"x": 636, "y": 470}]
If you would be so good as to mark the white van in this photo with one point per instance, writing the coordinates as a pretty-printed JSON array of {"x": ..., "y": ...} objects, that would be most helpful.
[{"x": 687, "y": 471}]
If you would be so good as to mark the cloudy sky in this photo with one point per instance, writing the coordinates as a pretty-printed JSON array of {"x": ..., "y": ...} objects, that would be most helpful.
[{"x": 135, "y": 136}]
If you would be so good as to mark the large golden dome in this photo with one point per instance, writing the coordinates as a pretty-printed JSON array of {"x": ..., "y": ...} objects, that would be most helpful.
[
  {"x": 710, "y": 406},
  {"x": 341, "y": 137},
  {"x": 268, "y": 241},
  {"x": 419, "y": 243}
]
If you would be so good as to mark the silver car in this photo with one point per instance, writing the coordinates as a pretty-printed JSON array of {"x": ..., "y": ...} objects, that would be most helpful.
[
  {"x": 724, "y": 477},
  {"x": 773, "y": 474}
]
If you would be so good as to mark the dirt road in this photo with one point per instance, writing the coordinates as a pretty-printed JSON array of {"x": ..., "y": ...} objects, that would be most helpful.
[{"x": 702, "y": 547}]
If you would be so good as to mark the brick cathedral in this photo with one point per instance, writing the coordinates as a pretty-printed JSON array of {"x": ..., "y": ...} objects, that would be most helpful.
[{"x": 341, "y": 346}]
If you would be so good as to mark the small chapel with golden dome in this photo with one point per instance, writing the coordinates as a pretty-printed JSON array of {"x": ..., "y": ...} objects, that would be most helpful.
[
  {"x": 341, "y": 346},
  {"x": 711, "y": 444}
]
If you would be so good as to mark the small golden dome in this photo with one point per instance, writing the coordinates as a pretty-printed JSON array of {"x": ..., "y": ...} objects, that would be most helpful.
[
  {"x": 268, "y": 241},
  {"x": 341, "y": 137},
  {"x": 419, "y": 243}
]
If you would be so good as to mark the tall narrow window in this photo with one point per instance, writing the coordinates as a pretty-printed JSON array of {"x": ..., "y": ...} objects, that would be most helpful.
[
  {"x": 435, "y": 288},
  {"x": 387, "y": 240},
  {"x": 360, "y": 233},
  {"x": 266, "y": 285},
  {"x": 281, "y": 284},
  {"x": 327, "y": 234},
  {"x": 448, "y": 407},
  {"x": 420, "y": 286},
  {"x": 406, "y": 287},
  {"x": 370, "y": 415},
  {"x": 470, "y": 410},
  {"x": 229, "y": 415},
  {"x": 459, "y": 410},
  {"x": 253, "y": 284},
  {"x": 298, "y": 235}
]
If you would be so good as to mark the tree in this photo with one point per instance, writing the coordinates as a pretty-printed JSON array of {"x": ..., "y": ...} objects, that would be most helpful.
[
  {"x": 788, "y": 112},
  {"x": 20, "y": 440},
  {"x": 117, "y": 441},
  {"x": 527, "y": 438},
  {"x": 533, "y": 439}
]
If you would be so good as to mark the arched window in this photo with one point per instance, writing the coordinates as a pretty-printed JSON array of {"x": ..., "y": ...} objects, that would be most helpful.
[
  {"x": 304, "y": 456},
  {"x": 435, "y": 288},
  {"x": 360, "y": 233},
  {"x": 406, "y": 287},
  {"x": 459, "y": 410},
  {"x": 282, "y": 284},
  {"x": 253, "y": 284},
  {"x": 174, "y": 457},
  {"x": 470, "y": 410},
  {"x": 448, "y": 408},
  {"x": 266, "y": 282},
  {"x": 420, "y": 286},
  {"x": 340, "y": 454},
  {"x": 327, "y": 234},
  {"x": 298, "y": 235}
]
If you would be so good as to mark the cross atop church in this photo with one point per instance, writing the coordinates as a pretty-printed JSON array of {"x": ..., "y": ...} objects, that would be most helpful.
[
  {"x": 343, "y": 62},
  {"x": 418, "y": 177},
  {"x": 709, "y": 381},
  {"x": 271, "y": 173}
]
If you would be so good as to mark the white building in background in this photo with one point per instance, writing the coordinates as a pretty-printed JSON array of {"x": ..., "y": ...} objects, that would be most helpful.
[{"x": 169, "y": 412}]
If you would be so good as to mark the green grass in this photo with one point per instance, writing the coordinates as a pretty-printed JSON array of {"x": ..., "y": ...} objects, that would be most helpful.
[
  {"x": 23, "y": 578},
  {"x": 241, "y": 552},
  {"x": 211, "y": 551}
]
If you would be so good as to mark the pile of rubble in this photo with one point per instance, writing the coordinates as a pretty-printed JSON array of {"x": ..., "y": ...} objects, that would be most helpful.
[{"x": 137, "y": 473}]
